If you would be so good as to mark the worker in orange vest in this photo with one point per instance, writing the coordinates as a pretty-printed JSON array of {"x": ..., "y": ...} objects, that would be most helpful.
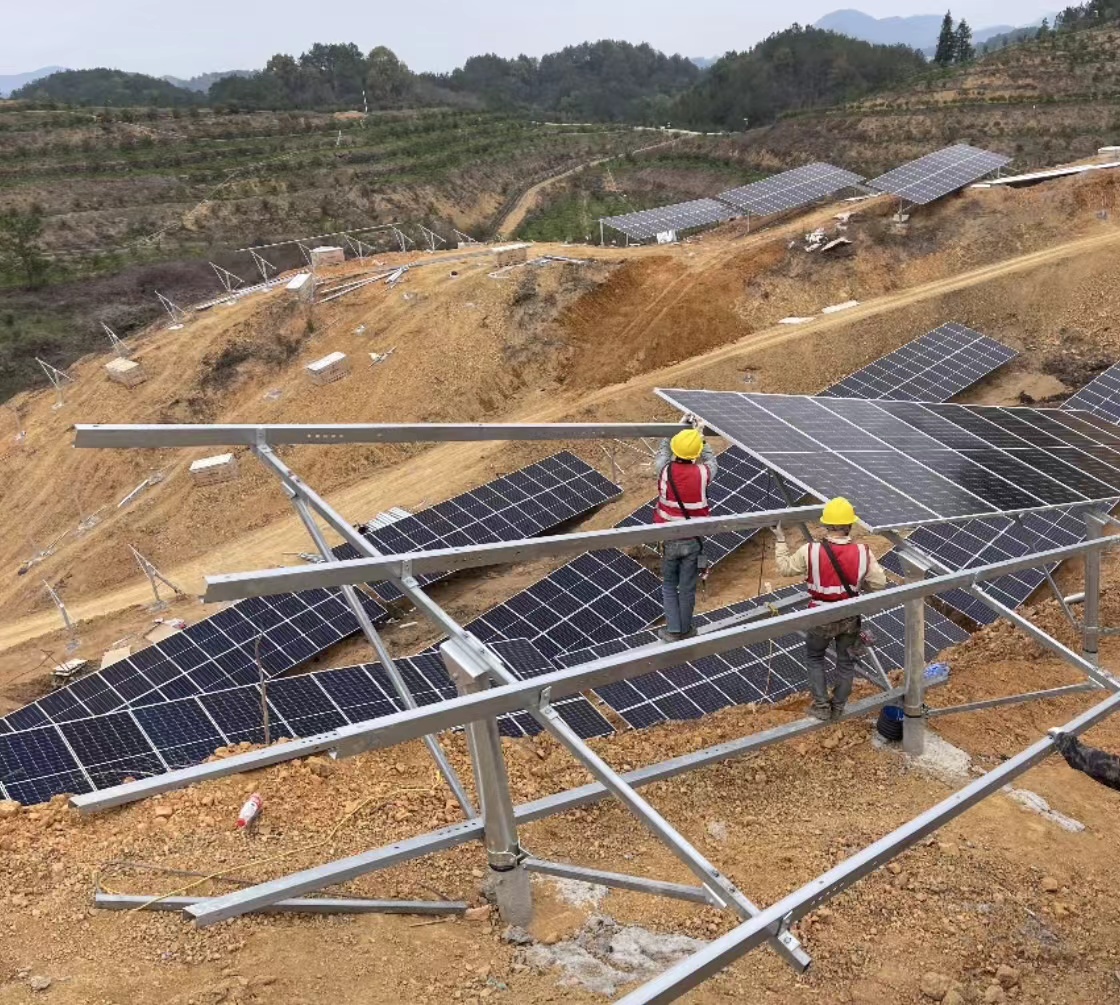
[
  {"x": 685, "y": 468},
  {"x": 834, "y": 568}
]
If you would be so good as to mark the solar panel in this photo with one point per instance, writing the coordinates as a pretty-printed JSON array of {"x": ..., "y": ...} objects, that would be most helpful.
[
  {"x": 765, "y": 672},
  {"x": 994, "y": 539},
  {"x": 790, "y": 189},
  {"x": 647, "y": 223},
  {"x": 97, "y": 752},
  {"x": 1101, "y": 396},
  {"x": 908, "y": 463},
  {"x": 934, "y": 175},
  {"x": 215, "y": 653},
  {"x": 934, "y": 367},
  {"x": 527, "y": 502},
  {"x": 597, "y": 597}
]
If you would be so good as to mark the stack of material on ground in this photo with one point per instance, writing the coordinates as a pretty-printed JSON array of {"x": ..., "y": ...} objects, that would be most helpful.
[
  {"x": 214, "y": 470},
  {"x": 115, "y": 656},
  {"x": 511, "y": 254},
  {"x": 329, "y": 368},
  {"x": 302, "y": 286},
  {"x": 125, "y": 371},
  {"x": 1109, "y": 154},
  {"x": 327, "y": 255}
]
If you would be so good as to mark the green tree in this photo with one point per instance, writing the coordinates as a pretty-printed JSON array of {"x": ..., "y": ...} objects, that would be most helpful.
[
  {"x": 20, "y": 248},
  {"x": 963, "y": 51},
  {"x": 946, "y": 42},
  {"x": 388, "y": 80}
]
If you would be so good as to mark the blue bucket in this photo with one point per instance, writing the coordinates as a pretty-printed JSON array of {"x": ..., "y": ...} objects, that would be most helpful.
[{"x": 890, "y": 722}]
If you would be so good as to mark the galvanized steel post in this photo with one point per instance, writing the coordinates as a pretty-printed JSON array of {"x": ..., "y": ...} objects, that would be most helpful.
[{"x": 914, "y": 724}]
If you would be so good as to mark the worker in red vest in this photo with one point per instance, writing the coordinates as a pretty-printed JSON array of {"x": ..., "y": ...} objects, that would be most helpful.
[
  {"x": 834, "y": 568},
  {"x": 685, "y": 468}
]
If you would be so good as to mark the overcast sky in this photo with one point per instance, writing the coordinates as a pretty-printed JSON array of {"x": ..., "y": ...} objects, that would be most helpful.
[{"x": 198, "y": 36}]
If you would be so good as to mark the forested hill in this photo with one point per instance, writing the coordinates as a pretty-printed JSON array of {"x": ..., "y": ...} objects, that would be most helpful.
[
  {"x": 102, "y": 86},
  {"x": 796, "y": 69},
  {"x": 602, "y": 81}
]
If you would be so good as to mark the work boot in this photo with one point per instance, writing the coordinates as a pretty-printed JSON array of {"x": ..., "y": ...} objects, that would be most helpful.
[
  {"x": 822, "y": 712},
  {"x": 837, "y": 712},
  {"x": 667, "y": 636},
  {"x": 690, "y": 634}
]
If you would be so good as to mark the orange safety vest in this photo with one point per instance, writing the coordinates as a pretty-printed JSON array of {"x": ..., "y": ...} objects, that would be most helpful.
[
  {"x": 825, "y": 586},
  {"x": 691, "y": 481}
]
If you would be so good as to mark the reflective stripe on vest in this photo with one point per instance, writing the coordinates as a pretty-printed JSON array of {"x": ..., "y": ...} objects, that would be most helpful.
[
  {"x": 691, "y": 481},
  {"x": 824, "y": 584}
]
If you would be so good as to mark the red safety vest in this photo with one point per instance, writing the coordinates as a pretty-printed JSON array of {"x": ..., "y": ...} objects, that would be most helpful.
[
  {"x": 825, "y": 586},
  {"x": 691, "y": 481}
]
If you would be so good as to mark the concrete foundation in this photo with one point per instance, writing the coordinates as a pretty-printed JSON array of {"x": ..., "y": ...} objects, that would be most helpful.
[{"x": 511, "y": 893}]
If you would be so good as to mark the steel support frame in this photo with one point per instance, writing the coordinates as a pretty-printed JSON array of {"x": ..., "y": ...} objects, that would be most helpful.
[
  {"x": 412, "y": 724},
  {"x": 673, "y": 983},
  {"x": 1013, "y": 699},
  {"x": 914, "y": 724},
  {"x": 620, "y": 881},
  {"x": 317, "y": 905},
  {"x": 241, "y": 902},
  {"x": 350, "y": 595}
]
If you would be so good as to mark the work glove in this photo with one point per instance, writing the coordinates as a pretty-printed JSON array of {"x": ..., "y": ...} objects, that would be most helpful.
[
  {"x": 692, "y": 420},
  {"x": 779, "y": 534}
]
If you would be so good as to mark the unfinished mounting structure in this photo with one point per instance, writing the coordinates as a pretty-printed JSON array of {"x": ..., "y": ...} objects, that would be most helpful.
[{"x": 487, "y": 689}]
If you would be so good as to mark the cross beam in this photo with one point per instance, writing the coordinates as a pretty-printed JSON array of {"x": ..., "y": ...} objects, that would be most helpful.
[
  {"x": 352, "y": 572},
  {"x": 336, "y": 434}
]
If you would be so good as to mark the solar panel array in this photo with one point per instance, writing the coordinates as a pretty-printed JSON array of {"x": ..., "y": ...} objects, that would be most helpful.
[
  {"x": 1100, "y": 396},
  {"x": 790, "y": 189},
  {"x": 934, "y": 367},
  {"x": 960, "y": 460},
  {"x": 995, "y": 539},
  {"x": 934, "y": 175},
  {"x": 81, "y": 755},
  {"x": 218, "y": 652},
  {"x": 647, "y": 223},
  {"x": 527, "y": 502},
  {"x": 766, "y": 672}
]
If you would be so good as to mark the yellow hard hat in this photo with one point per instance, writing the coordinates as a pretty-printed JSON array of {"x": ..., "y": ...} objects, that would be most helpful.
[
  {"x": 838, "y": 512},
  {"x": 688, "y": 444}
]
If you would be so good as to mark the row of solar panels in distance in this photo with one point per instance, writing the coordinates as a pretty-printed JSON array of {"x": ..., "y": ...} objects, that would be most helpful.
[
  {"x": 764, "y": 672},
  {"x": 82, "y": 755},
  {"x": 535, "y": 499},
  {"x": 218, "y": 652},
  {"x": 783, "y": 191},
  {"x": 907, "y": 463},
  {"x": 930, "y": 177}
]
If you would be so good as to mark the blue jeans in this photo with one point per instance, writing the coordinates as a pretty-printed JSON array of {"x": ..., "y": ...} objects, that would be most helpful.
[{"x": 680, "y": 567}]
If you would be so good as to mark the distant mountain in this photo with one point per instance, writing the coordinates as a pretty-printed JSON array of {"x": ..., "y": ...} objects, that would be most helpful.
[
  {"x": 703, "y": 61},
  {"x": 919, "y": 31},
  {"x": 202, "y": 82},
  {"x": 17, "y": 80}
]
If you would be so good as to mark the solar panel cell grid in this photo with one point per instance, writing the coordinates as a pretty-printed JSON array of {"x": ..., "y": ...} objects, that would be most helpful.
[
  {"x": 937, "y": 174},
  {"x": 643, "y": 225},
  {"x": 527, "y": 502},
  {"x": 790, "y": 189},
  {"x": 978, "y": 457},
  {"x": 1100, "y": 397}
]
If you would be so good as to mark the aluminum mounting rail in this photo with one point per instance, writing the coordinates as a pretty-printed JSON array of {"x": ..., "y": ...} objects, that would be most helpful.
[
  {"x": 675, "y": 982},
  {"x": 335, "y": 434},
  {"x": 411, "y": 724},
  {"x": 316, "y": 905},
  {"x": 352, "y": 572}
]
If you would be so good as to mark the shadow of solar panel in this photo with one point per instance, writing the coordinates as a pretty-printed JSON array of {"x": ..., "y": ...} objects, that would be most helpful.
[
  {"x": 1100, "y": 397},
  {"x": 909, "y": 463},
  {"x": 531, "y": 501},
  {"x": 765, "y": 672},
  {"x": 935, "y": 175},
  {"x": 682, "y": 216},
  {"x": 790, "y": 189}
]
